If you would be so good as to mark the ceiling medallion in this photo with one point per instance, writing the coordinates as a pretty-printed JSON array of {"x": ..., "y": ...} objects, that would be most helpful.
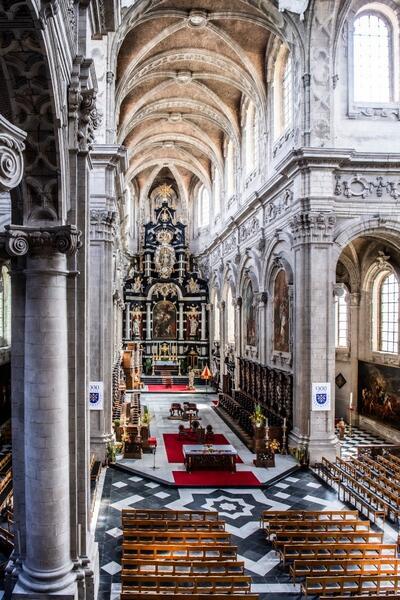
[
  {"x": 175, "y": 117},
  {"x": 197, "y": 18},
  {"x": 183, "y": 77}
]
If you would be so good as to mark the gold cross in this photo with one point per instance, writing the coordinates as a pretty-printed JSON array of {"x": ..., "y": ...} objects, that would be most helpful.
[{"x": 166, "y": 191}]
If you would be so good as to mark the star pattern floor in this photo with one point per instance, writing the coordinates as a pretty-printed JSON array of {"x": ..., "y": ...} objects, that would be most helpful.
[{"x": 241, "y": 509}]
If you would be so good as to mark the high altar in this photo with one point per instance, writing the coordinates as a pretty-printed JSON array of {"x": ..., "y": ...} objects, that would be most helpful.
[{"x": 166, "y": 300}]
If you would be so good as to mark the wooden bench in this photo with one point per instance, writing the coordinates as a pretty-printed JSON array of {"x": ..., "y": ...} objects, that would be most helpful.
[
  {"x": 182, "y": 568},
  {"x": 350, "y": 525},
  {"x": 179, "y": 552},
  {"x": 320, "y": 537},
  {"x": 139, "y": 584},
  {"x": 177, "y": 537},
  {"x": 189, "y": 596},
  {"x": 352, "y": 584},
  {"x": 268, "y": 516},
  {"x": 330, "y": 551},
  {"x": 156, "y": 513},
  {"x": 339, "y": 567},
  {"x": 371, "y": 596},
  {"x": 171, "y": 525}
]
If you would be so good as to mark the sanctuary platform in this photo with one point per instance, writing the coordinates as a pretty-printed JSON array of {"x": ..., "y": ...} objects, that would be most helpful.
[{"x": 169, "y": 458}]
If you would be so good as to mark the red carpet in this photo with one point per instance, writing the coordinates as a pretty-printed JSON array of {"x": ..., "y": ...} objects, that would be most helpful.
[
  {"x": 164, "y": 388},
  {"x": 215, "y": 478},
  {"x": 173, "y": 446}
]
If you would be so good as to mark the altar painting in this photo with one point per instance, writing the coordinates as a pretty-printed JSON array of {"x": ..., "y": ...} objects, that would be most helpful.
[
  {"x": 281, "y": 313},
  {"x": 164, "y": 321},
  {"x": 379, "y": 393},
  {"x": 250, "y": 316}
]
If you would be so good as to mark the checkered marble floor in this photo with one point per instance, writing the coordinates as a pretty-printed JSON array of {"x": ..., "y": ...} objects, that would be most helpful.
[
  {"x": 357, "y": 438},
  {"x": 241, "y": 509}
]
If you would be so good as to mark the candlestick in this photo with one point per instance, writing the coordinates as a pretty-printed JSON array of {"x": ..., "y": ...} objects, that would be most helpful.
[
  {"x": 351, "y": 401},
  {"x": 284, "y": 422}
]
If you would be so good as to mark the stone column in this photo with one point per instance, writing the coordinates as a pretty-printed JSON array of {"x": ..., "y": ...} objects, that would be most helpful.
[
  {"x": 181, "y": 320},
  {"x": 354, "y": 314},
  {"x": 239, "y": 345},
  {"x": 203, "y": 322},
  {"x": 46, "y": 565},
  {"x": 262, "y": 326},
  {"x": 314, "y": 334},
  {"x": 148, "y": 320},
  {"x": 127, "y": 323}
]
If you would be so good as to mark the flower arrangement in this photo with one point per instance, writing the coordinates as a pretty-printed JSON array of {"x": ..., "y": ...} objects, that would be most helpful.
[
  {"x": 273, "y": 446},
  {"x": 258, "y": 418}
]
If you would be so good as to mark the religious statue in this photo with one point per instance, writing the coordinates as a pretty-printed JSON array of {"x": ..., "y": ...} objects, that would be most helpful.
[
  {"x": 137, "y": 285},
  {"x": 192, "y": 286},
  {"x": 193, "y": 325},
  {"x": 136, "y": 328},
  {"x": 341, "y": 428},
  {"x": 164, "y": 258},
  {"x": 191, "y": 379}
]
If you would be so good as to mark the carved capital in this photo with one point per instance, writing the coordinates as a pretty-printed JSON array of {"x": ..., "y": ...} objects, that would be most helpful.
[
  {"x": 312, "y": 227},
  {"x": 84, "y": 117},
  {"x": 18, "y": 241},
  {"x": 102, "y": 224},
  {"x": 11, "y": 158}
]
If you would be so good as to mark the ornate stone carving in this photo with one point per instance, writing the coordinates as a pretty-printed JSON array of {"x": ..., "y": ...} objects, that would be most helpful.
[
  {"x": 249, "y": 228},
  {"x": 83, "y": 114},
  {"x": 279, "y": 205},
  {"x": 165, "y": 289},
  {"x": 11, "y": 159},
  {"x": 312, "y": 227},
  {"x": 215, "y": 254},
  {"x": 360, "y": 187},
  {"x": 18, "y": 241},
  {"x": 229, "y": 244},
  {"x": 102, "y": 224},
  {"x": 382, "y": 261},
  {"x": 373, "y": 114}
]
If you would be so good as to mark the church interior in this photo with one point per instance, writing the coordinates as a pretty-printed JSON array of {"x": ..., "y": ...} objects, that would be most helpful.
[{"x": 199, "y": 299}]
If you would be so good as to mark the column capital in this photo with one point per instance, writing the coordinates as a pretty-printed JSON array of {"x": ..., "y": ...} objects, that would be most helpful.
[
  {"x": 312, "y": 227},
  {"x": 19, "y": 241},
  {"x": 11, "y": 158},
  {"x": 102, "y": 224}
]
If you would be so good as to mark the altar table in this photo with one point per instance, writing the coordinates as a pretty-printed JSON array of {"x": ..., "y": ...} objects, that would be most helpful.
[{"x": 210, "y": 458}]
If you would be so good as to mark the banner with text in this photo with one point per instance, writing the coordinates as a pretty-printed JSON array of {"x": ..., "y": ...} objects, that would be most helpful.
[
  {"x": 321, "y": 396},
  {"x": 96, "y": 394}
]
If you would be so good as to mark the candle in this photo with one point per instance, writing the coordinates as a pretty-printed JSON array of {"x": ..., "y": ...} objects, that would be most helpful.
[
  {"x": 284, "y": 422},
  {"x": 351, "y": 401}
]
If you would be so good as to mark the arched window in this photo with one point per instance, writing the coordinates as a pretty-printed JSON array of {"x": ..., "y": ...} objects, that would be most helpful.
[
  {"x": 342, "y": 320},
  {"x": 283, "y": 92},
  {"x": 373, "y": 58},
  {"x": 5, "y": 308},
  {"x": 217, "y": 193},
  {"x": 230, "y": 170},
  {"x": 203, "y": 206},
  {"x": 388, "y": 314},
  {"x": 230, "y": 318},
  {"x": 249, "y": 135}
]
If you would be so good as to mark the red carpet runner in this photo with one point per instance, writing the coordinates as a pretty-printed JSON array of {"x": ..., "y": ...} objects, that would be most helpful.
[
  {"x": 173, "y": 447},
  {"x": 172, "y": 388},
  {"x": 216, "y": 478}
]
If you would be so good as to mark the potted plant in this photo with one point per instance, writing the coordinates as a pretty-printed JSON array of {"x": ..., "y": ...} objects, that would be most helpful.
[
  {"x": 258, "y": 418},
  {"x": 117, "y": 430},
  {"x": 111, "y": 452},
  {"x": 301, "y": 454}
]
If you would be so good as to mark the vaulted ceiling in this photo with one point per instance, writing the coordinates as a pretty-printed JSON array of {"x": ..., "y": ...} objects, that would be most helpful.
[{"x": 183, "y": 71}]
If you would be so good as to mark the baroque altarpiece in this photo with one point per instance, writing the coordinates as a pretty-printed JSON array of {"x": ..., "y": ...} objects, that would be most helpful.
[{"x": 166, "y": 300}]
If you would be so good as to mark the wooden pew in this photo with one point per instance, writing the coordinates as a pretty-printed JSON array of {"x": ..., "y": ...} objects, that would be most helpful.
[
  {"x": 179, "y": 552},
  {"x": 372, "y": 596},
  {"x": 177, "y": 537},
  {"x": 350, "y": 525},
  {"x": 171, "y": 525},
  {"x": 320, "y": 537},
  {"x": 156, "y": 513},
  {"x": 351, "y": 584},
  {"x": 268, "y": 516},
  {"x": 215, "y": 584},
  {"x": 339, "y": 567},
  {"x": 329, "y": 551},
  {"x": 182, "y": 568},
  {"x": 188, "y": 596}
]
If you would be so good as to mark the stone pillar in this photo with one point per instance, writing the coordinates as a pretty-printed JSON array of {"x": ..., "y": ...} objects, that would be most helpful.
[
  {"x": 203, "y": 322},
  {"x": 239, "y": 346},
  {"x": 314, "y": 334},
  {"x": 46, "y": 565},
  {"x": 262, "y": 327},
  {"x": 354, "y": 313},
  {"x": 181, "y": 320},
  {"x": 127, "y": 322},
  {"x": 148, "y": 320}
]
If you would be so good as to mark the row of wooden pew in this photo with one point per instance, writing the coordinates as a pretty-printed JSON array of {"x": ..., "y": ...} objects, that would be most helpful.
[
  {"x": 371, "y": 484},
  {"x": 334, "y": 553},
  {"x": 167, "y": 552}
]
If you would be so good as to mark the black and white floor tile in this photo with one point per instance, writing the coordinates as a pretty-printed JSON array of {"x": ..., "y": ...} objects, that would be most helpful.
[
  {"x": 240, "y": 508},
  {"x": 358, "y": 437}
]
